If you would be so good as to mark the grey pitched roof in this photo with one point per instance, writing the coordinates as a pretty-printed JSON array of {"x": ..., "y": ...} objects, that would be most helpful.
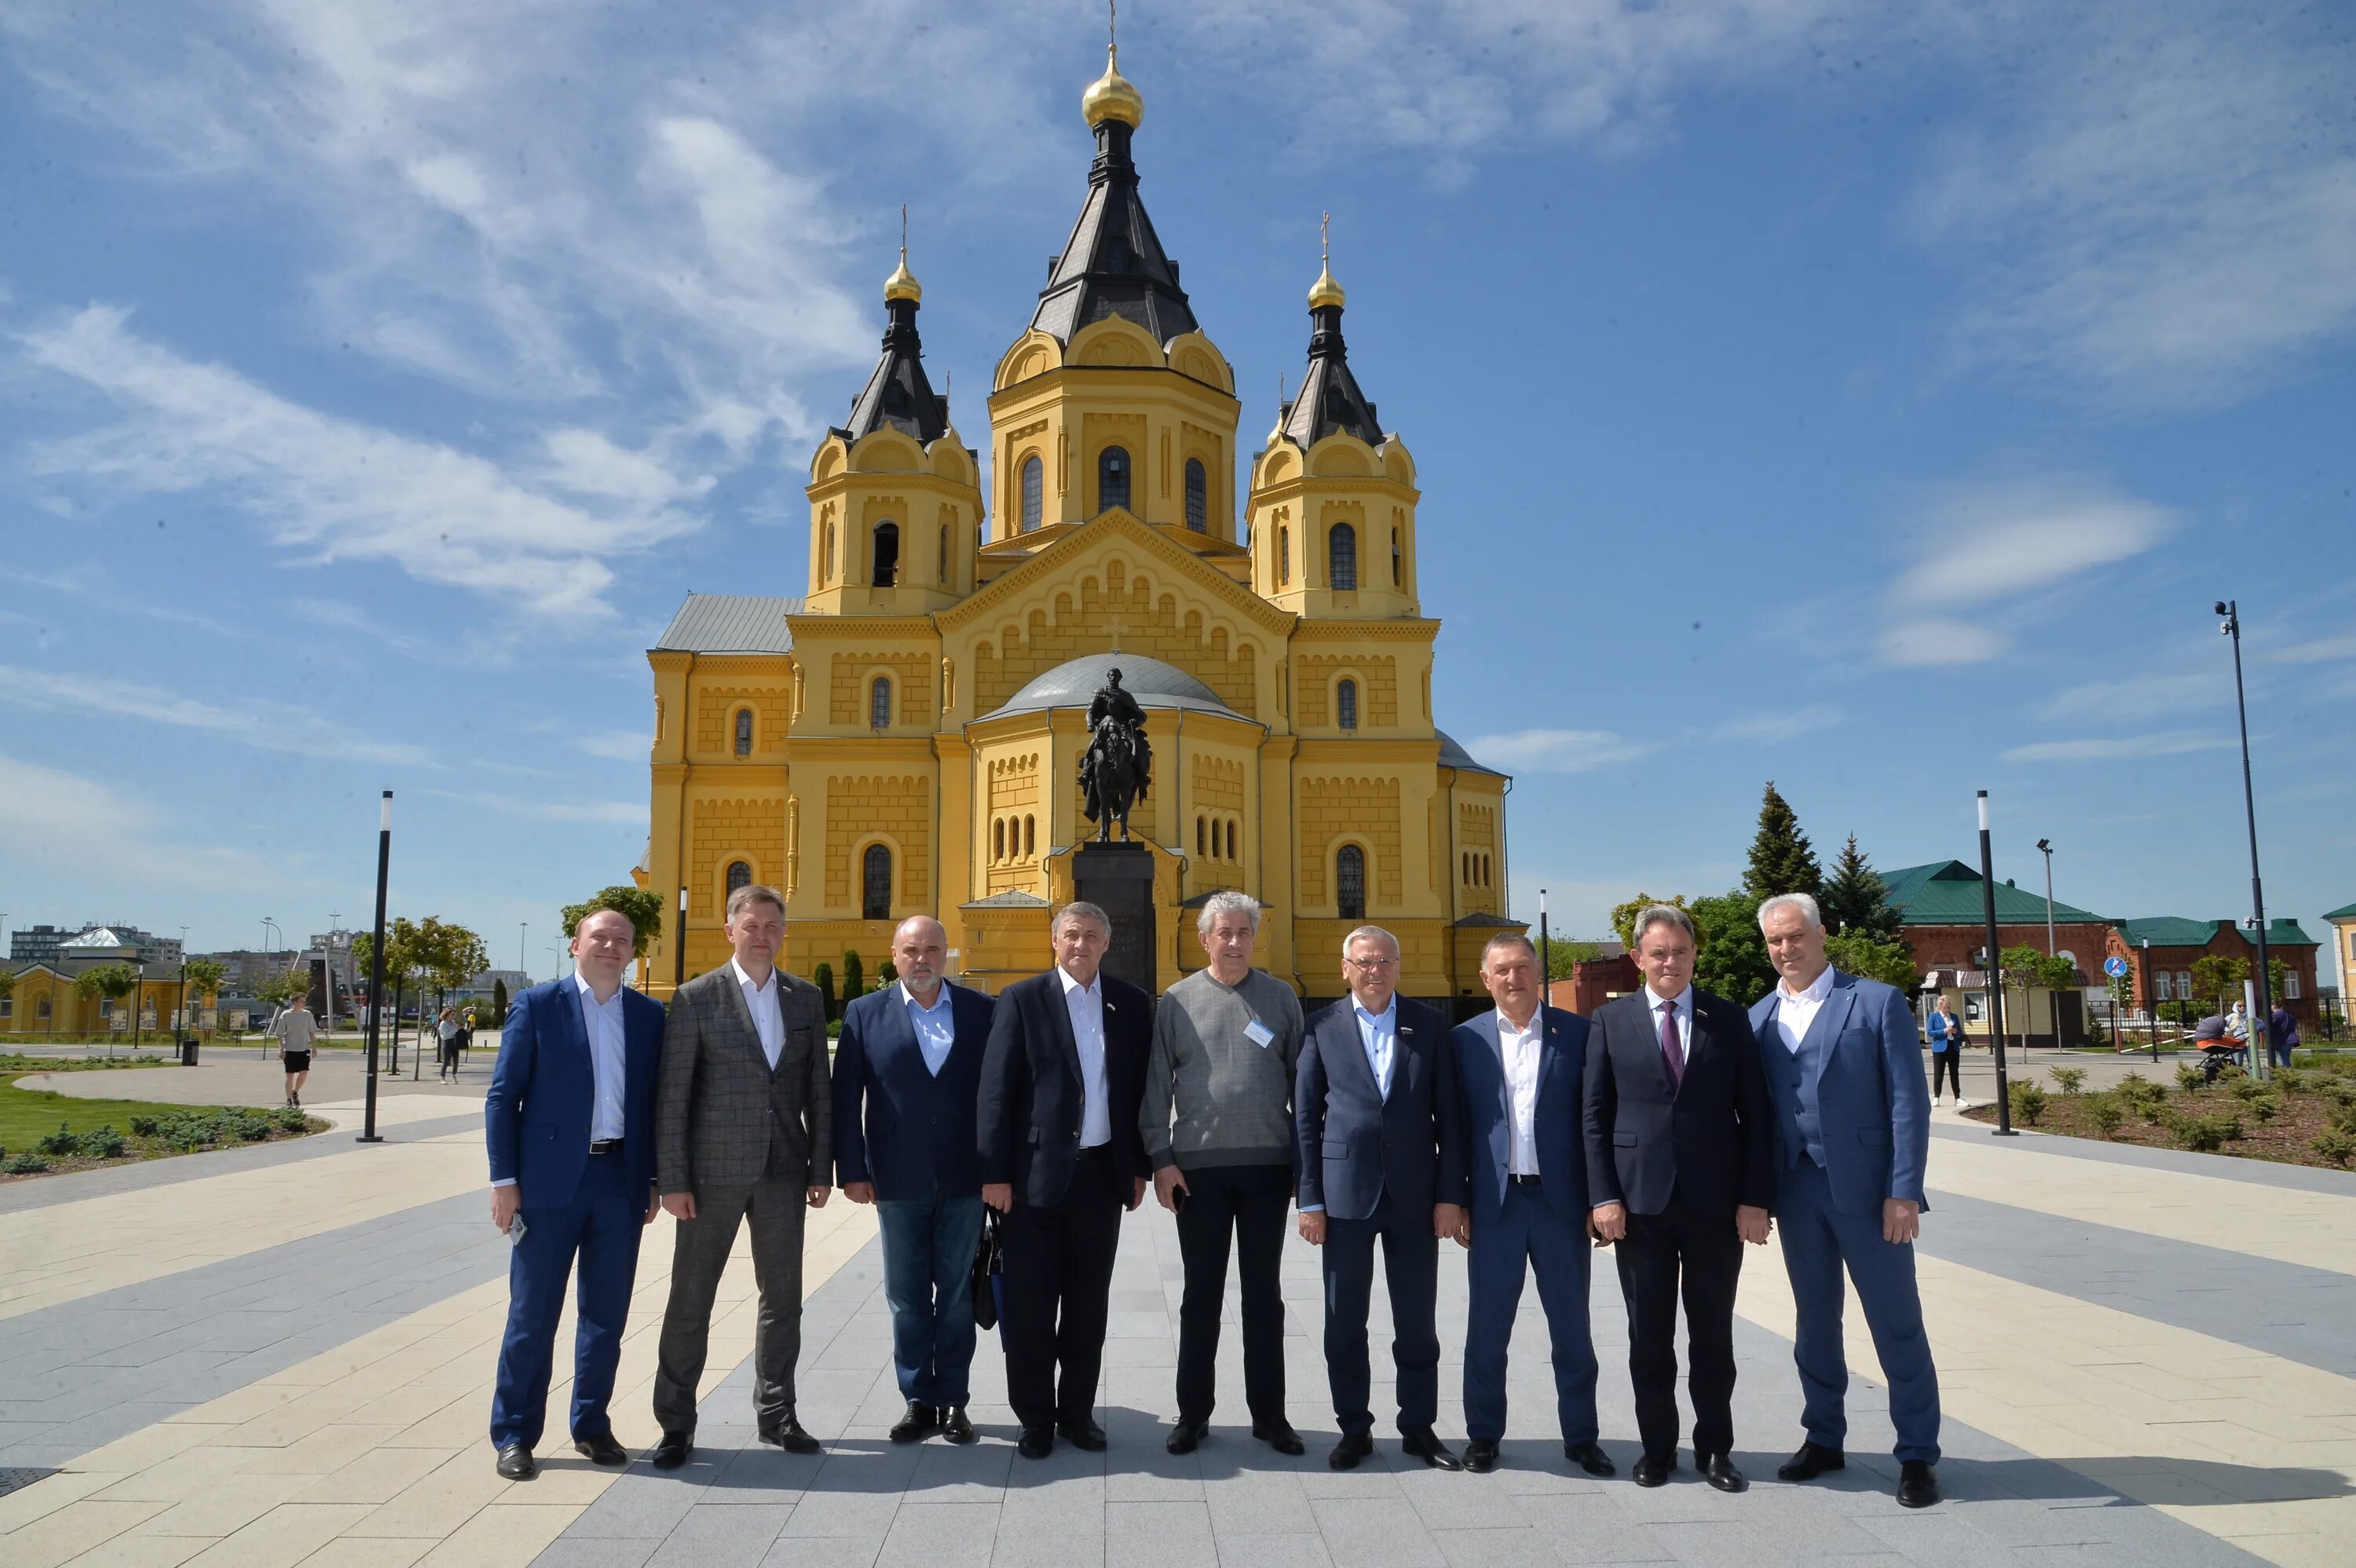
[
  {"x": 1154, "y": 683},
  {"x": 1452, "y": 755},
  {"x": 1113, "y": 263},
  {"x": 1329, "y": 399},
  {"x": 730, "y": 624},
  {"x": 1012, "y": 899},
  {"x": 897, "y": 393}
]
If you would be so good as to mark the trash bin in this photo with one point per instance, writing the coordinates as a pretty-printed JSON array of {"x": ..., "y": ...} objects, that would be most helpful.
[{"x": 188, "y": 1051}]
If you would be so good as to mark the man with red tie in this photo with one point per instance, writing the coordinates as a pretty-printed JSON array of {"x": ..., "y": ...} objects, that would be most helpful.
[{"x": 1681, "y": 1173}]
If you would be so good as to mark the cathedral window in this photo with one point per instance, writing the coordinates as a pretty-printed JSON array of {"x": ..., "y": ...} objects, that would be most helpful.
[
  {"x": 740, "y": 875},
  {"x": 1033, "y": 486},
  {"x": 879, "y": 703},
  {"x": 1395, "y": 558},
  {"x": 1118, "y": 257},
  {"x": 743, "y": 731},
  {"x": 1346, "y": 703},
  {"x": 997, "y": 839},
  {"x": 1202, "y": 836},
  {"x": 1342, "y": 557},
  {"x": 887, "y": 554},
  {"x": 1350, "y": 882},
  {"x": 1113, "y": 478},
  {"x": 945, "y": 555},
  {"x": 1231, "y": 840},
  {"x": 826, "y": 557},
  {"x": 1283, "y": 556},
  {"x": 1030, "y": 837},
  {"x": 1198, "y": 495},
  {"x": 876, "y": 883}
]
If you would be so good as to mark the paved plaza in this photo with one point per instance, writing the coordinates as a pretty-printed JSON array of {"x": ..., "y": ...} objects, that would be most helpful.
[{"x": 283, "y": 1354}]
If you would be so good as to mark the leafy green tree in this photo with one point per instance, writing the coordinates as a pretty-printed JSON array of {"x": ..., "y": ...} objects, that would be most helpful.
[
  {"x": 401, "y": 964},
  {"x": 1563, "y": 954},
  {"x": 111, "y": 981},
  {"x": 1623, "y": 918},
  {"x": 1856, "y": 899},
  {"x": 1782, "y": 860},
  {"x": 448, "y": 956},
  {"x": 498, "y": 1004},
  {"x": 2025, "y": 969},
  {"x": 2219, "y": 977},
  {"x": 643, "y": 907},
  {"x": 7, "y": 982},
  {"x": 200, "y": 981},
  {"x": 1892, "y": 963},
  {"x": 1733, "y": 962}
]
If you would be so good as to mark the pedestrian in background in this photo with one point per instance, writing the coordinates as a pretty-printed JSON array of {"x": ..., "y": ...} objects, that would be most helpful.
[
  {"x": 445, "y": 1031},
  {"x": 2281, "y": 1035},
  {"x": 1946, "y": 1034},
  {"x": 294, "y": 1030}
]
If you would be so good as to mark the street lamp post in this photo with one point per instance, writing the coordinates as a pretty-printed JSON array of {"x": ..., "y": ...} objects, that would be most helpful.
[
  {"x": 1994, "y": 975},
  {"x": 2260, "y": 1061},
  {"x": 678, "y": 944},
  {"x": 2045, "y": 847},
  {"x": 522, "y": 969},
  {"x": 368, "y": 1134}
]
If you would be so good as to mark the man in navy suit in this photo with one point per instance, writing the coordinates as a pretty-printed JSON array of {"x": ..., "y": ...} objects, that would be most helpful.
[
  {"x": 1521, "y": 1069},
  {"x": 1382, "y": 1158},
  {"x": 1681, "y": 1174},
  {"x": 1852, "y": 1136},
  {"x": 913, "y": 1052},
  {"x": 569, "y": 1121},
  {"x": 1062, "y": 1156}
]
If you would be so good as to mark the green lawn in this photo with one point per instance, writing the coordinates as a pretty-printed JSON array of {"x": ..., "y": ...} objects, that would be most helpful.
[{"x": 28, "y": 1116}]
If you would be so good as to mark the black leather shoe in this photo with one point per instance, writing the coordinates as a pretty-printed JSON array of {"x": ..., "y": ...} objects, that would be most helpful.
[
  {"x": 1481, "y": 1455},
  {"x": 1917, "y": 1483},
  {"x": 914, "y": 1425},
  {"x": 1719, "y": 1472},
  {"x": 957, "y": 1425},
  {"x": 1036, "y": 1442},
  {"x": 1424, "y": 1443},
  {"x": 1353, "y": 1447},
  {"x": 1590, "y": 1457},
  {"x": 788, "y": 1435},
  {"x": 1187, "y": 1436},
  {"x": 601, "y": 1450},
  {"x": 1652, "y": 1469},
  {"x": 1281, "y": 1436},
  {"x": 1813, "y": 1459},
  {"x": 672, "y": 1451},
  {"x": 1082, "y": 1433},
  {"x": 516, "y": 1462}
]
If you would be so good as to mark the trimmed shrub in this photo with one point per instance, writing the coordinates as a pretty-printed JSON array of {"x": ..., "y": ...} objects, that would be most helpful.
[
  {"x": 2264, "y": 1108},
  {"x": 63, "y": 1142},
  {"x": 26, "y": 1164},
  {"x": 142, "y": 1126},
  {"x": 2069, "y": 1080},
  {"x": 2027, "y": 1103},
  {"x": 102, "y": 1142},
  {"x": 2189, "y": 1077},
  {"x": 2202, "y": 1135},
  {"x": 2104, "y": 1112},
  {"x": 2335, "y": 1145}
]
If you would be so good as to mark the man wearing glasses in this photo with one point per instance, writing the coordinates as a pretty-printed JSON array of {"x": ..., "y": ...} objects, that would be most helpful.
[{"x": 1382, "y": 1156}]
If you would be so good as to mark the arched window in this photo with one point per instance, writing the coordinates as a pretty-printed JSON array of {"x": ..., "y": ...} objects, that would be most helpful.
[
  {"x": 1395, "y": 558},
  {"x": 1283, "y": 556},
  {"x": 1202, "y": 836},
  {"x": 945, "y": 577},
  {"x": 1231, "y": 840},
  {"x": 743, "y": 731},
  {"x": 879, "y": 703},
  {"x": 1342, "y": 557},
  {"x": 1350, "y": 882},
  {"x": 1030, "y": 836},
  {"x": 1033, "y": 485},
  {"x": 740, "y": 875},
  {"x": 1346, "y": 703},
  {"x": 41, "y": 1010},
  {"x": 1118, "y": 257},
  {"x": 1198, "y": 495},
  {"x": 887, "y": 554},
  {"x": 875, "y": 884},
  {"x": 1113, "y": 478},
  {"x": 826, "y": 557},
  {"x": 997, "y": 839}
]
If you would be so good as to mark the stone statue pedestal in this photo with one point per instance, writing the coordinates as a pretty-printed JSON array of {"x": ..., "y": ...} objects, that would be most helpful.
[{"x": 1119, "y": 879}]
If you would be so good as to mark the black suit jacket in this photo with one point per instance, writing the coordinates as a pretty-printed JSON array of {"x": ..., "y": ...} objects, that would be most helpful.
[
  {"x": 1355, "y": 1145},
  {"x": 1713, "y": 1140},
  {"x": 1032, "y": 1093}
]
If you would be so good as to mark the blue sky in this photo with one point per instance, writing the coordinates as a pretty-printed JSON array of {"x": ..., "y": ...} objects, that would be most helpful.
[{"x": 1869, "y": 400}]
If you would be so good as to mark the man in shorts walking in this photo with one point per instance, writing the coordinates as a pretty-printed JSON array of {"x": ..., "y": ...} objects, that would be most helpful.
[{"x": 296, "y": 1030}]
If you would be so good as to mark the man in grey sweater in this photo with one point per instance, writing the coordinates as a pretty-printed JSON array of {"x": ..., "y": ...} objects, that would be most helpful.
[{"x": 1217, "y": 1120}]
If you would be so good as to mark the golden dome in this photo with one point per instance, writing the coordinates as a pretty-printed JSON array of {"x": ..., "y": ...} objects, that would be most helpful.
[
  {"x": 1325, "y": 290},
  {"x": 1112, "y": 96},
  {"x": 902, "y": 284}
]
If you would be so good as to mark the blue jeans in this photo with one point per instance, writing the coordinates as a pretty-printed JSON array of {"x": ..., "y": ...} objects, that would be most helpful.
[{"x": 928, "y": 1247}]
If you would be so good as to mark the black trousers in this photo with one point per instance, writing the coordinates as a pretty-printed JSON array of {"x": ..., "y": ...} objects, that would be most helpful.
[
  {"x": 1680, "y": 1252},
  {"x": 1247, "y": 1203},
  {"x": 1950, "y": 1064},
  {"x": 1411, "y": 1268},
  {"x": 1055, "y": 1264}
]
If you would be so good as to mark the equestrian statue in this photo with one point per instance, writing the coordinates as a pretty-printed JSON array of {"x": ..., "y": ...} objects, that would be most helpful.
[{"x": 1115, "y": 767}]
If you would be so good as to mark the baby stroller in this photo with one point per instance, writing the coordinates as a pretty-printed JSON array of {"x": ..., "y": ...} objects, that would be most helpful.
[{"x": 2218, "y": 1049}]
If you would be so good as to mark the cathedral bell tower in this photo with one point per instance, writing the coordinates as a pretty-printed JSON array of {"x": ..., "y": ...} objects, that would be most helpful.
[
  {"x": 895, "y": 497},
  {"x": 1333, "y": 497}
]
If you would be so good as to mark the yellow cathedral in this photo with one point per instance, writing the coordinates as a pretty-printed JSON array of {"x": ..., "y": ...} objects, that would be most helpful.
[{"x": 904, "y": 736}]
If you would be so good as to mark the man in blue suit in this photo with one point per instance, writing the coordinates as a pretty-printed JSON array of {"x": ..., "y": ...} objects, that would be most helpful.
[
  {"x": 1852, "y": 1134},
  {"x": 570, "y": 1121},
  {"x": 913, "y": 1053},
  {"x": 1382, "y": 1158},
  {"x": 1520, "y": 1069}
]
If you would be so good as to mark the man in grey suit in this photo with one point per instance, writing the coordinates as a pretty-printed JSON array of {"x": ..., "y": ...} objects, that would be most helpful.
[{"x": 743, "y": 1130}]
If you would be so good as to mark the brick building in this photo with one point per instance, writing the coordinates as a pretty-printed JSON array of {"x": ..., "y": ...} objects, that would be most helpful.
[
  {"x": 1942, "y": 917},
  {"x": 2177, "y": 944}
]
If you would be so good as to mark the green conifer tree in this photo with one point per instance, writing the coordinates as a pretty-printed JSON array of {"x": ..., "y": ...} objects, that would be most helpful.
[
  {"x": 1782, "y": 860},
  {"x": 1856, "y": 900}
]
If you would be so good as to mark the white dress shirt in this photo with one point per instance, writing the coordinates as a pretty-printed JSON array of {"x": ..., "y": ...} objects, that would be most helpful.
[
  {"x": 1085, "y": 1004},
  {"x": 1378, "y": 1032},
  {"x": 935, "y": 1027},
  {"x": 1518, "y": 1049},
  {"x": 608, "y": 1059},
  {"x": 1683, "y": 1004},
  {"x": 1797, "y": 1010},
  {"x": 768, "y": 1014}
]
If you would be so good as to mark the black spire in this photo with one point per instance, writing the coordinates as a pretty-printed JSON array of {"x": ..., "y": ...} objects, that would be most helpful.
[
  {"x": 897, "y": 394},
  {"x": 1330, "y": 399},
  {"x": 1113, "y": 263}
]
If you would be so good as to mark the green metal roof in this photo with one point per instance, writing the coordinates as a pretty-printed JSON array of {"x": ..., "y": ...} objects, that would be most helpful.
[
  {"x": 2174, "y": 931},
  {"x": 2346, "y": 911},
  {"x": 1947, "y": 892}
]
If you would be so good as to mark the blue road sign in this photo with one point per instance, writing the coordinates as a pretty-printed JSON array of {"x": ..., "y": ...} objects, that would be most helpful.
[{"x": 2115, "y": 967}]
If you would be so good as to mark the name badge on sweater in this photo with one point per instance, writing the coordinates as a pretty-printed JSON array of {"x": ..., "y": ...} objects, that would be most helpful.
[{"x": 1259, "y": 1034}]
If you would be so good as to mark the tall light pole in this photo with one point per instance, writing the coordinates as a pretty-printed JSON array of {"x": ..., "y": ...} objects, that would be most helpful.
[
  {"x": 1995, "y": 976},
  {"x": 368, "y": 1134},
  {"x": 2260, "y": 1061},
  {"x": 2045, "y": 847},
  {"x": 678, "y": 944},
  {"x": 522, "y": 969}
]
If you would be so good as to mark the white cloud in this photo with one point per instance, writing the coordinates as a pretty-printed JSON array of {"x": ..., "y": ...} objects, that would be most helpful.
[
  {"x": 1999, "y": 542},
  {"x": 111, "y": 841},
  {"x": 542, "y": 810},
  {"x": 621, "y": 745},
  {"x": 275, "y": 729},
  {"x": 2122, "y": 747},
  {"x": 2139, "y": 697},
  {"x": 1770, "y": 726},
  {"x": 2317, "y": 650},
  {"x": 1559, "y": 751},
  {"x": 1921, "y": 643}
]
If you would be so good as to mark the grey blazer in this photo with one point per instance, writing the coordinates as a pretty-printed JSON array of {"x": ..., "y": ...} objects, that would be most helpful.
[{"x": 720, "y": 1112}]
